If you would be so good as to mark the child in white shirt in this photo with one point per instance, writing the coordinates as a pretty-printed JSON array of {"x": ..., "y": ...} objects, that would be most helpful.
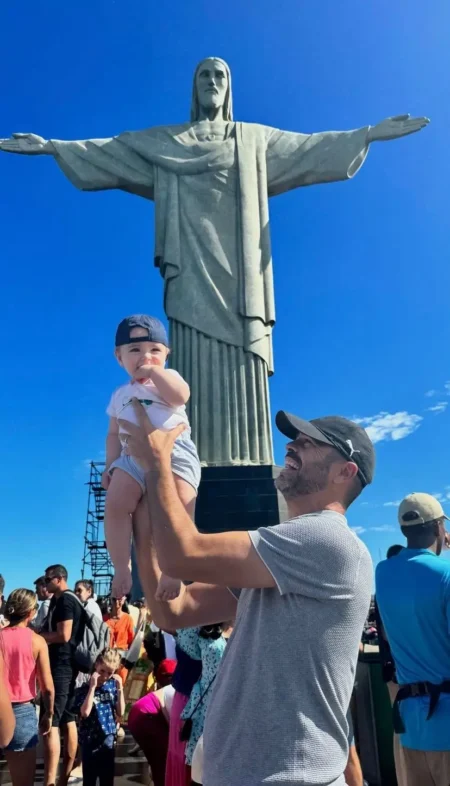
[{"x": 142, "y": 349}]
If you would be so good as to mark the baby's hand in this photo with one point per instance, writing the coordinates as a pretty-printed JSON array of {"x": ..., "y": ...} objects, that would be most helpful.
[
  {"x": 106, "y": 479},
  {"x": 168, "y": 589}
]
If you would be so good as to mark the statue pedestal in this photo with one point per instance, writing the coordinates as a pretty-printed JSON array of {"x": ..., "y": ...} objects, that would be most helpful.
[{"x": 239, "y": 498}]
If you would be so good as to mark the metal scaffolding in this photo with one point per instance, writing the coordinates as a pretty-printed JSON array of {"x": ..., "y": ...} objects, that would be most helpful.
[{"x": 97, "y": 564}]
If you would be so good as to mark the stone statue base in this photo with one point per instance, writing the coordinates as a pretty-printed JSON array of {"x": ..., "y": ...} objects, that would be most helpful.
[{"x": 239, "y": 498}]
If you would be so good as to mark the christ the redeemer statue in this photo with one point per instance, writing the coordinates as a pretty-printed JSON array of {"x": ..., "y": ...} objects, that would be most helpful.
[{"x": 210, "y": 180}]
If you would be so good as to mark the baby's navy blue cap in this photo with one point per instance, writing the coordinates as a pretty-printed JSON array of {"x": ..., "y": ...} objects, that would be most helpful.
[{"x": 155, "y": 330}]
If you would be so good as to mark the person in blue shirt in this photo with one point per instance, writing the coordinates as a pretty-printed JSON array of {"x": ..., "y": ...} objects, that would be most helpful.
[
  {"x": 413, "y": 596},
  {"x": 100, "y": 703}
]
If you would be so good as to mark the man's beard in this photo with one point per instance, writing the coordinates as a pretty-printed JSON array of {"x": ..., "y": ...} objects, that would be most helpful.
[{"x": 307, "y": 480}]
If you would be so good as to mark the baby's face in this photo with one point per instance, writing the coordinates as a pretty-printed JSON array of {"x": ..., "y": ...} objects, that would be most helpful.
[{"x": 139, "y": 358}]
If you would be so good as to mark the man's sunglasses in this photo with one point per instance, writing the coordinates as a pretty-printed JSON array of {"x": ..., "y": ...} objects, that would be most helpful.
[{"x": 48, "y": 579}]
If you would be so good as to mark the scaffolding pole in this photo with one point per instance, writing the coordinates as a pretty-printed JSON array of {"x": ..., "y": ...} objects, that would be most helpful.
[{"x": 96, "y": 563}]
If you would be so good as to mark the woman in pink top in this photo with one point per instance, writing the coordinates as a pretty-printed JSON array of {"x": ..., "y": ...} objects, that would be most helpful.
[
  {"x": 7, "y": 718},
  {"x": 25, "y": 659}
]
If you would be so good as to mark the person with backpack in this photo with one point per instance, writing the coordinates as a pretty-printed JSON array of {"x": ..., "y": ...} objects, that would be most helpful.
[
  {"x": 84, "y": 590},
  {"x": 62, "y": 632}
]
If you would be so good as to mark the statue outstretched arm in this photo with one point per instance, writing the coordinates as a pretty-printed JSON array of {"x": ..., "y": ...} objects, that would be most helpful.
[
  {"x": 93, "y": 164},
  {"x": 295, "y": 160}
]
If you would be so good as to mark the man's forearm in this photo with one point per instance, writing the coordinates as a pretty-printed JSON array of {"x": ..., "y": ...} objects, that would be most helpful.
[
  {"x": 164, "y": 614},
  {"x": 198, "y": 604},
  {"x": 175, "y": 535},
  {"x": 53, "y": 638}
]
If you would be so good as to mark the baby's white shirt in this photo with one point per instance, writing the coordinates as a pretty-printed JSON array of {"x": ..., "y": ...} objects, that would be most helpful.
[{"x": 160, "y": 414}]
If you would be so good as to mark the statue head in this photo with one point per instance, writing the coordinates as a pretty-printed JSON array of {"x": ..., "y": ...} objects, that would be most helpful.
[{"x": 212, "y": 89}]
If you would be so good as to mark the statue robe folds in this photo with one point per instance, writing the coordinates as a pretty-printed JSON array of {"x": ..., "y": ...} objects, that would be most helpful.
[{"x": 212, "y": 245}]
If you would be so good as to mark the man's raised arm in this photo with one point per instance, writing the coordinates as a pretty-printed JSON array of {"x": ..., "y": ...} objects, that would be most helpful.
[{"x": 197, "y": 604}]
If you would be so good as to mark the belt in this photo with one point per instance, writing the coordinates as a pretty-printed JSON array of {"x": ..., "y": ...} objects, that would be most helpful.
[{"x": 414, "y": 690}]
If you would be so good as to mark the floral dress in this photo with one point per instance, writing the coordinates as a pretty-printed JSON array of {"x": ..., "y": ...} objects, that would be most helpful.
[{"x": 210, "y": 651}]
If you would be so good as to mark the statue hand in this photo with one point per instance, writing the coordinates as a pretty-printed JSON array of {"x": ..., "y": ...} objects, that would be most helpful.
[
  {"x": 395, "y": 127},
  {"x": 28, "y": 144}
]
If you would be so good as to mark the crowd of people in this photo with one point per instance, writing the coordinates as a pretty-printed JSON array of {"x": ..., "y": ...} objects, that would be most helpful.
[
  {"x": 49, "y": 695},
  {"x": 50, "y": 698}
]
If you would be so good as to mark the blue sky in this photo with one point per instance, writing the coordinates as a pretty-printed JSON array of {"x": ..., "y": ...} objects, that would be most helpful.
[{"x": 362, "y": 269}]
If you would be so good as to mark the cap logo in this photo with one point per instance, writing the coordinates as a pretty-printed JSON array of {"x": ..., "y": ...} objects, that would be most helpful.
[{"x": 352, "y": 449}]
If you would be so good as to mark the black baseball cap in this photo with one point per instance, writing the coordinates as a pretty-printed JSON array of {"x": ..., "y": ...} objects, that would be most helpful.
[
  {"x": 155, "y": 330},
  {"x": 352, "y": 441}
]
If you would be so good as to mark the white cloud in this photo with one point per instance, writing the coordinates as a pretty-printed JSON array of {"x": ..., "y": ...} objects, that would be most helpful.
[
  {"x": 431, "y": 393},
  {"x": 383, "y": 528},
  {"x": 394, "y": 504},
  {"x": 358, "y": 530},
  {"x": 387, "y": 426},
  {"x": 447, "y": 387},
  {"x": 438, "y": 495},
  {"x": 441, "y": 406}
]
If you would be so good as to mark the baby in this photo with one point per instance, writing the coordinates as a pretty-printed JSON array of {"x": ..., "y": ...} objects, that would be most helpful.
[{"x": 142, "y": 349}]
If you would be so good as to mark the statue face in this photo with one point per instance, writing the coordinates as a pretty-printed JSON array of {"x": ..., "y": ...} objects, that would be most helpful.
[{"x": 211, "y": 84}]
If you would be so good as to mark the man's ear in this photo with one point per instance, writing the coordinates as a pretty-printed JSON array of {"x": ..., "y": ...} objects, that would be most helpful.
[
  {"x": 347, "y": 471},
  {"x": 437, "y": 526},
  {"x": 117, "y": 356}
]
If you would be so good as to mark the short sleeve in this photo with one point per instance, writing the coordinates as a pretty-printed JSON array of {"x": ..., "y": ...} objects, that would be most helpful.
[
  {"x": 316, "y": 556},
  {"x": 111, "y": 409},
  {"x": 175, "y": 373},
  {"x": 69, "y": 609}
]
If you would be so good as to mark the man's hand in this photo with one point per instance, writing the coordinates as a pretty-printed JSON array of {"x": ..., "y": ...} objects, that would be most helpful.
[
  {"x": 395, "y": 127},
  {"x": 45, "y": 724},
  {"x": 147, "y": 444},
  {"x": 93, "y": 682},
  {"x": 28, "y": 144}
]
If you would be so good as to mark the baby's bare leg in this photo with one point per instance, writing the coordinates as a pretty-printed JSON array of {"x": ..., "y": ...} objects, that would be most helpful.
[
  {"x": 122, "y": 500},
  {"x": 169, "y": 589}
]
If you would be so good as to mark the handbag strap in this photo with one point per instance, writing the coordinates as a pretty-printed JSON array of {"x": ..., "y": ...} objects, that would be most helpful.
[{"x": 201, "y": 699}]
